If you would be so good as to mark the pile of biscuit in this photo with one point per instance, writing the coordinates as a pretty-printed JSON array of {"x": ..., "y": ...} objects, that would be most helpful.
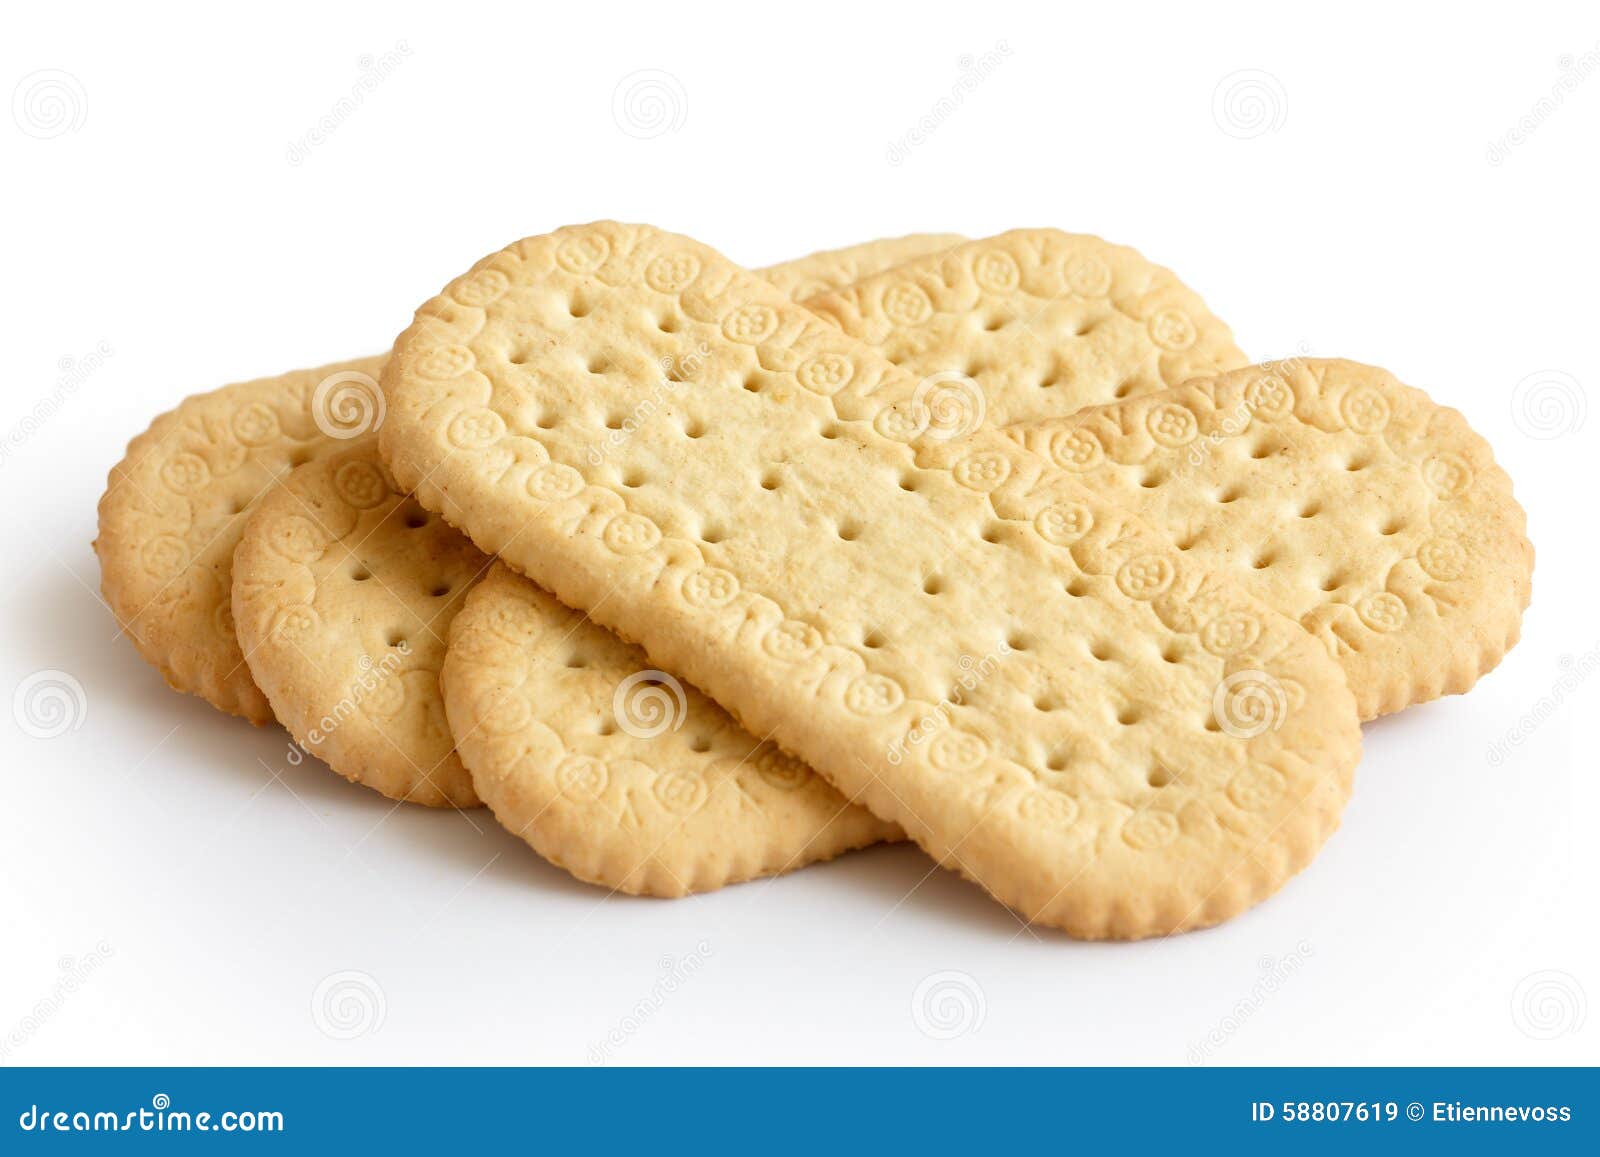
[{"x": 694, "y": 574}]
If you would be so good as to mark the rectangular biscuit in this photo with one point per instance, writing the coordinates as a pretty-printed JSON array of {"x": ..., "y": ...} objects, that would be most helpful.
[{"x": 777, "y": 529}]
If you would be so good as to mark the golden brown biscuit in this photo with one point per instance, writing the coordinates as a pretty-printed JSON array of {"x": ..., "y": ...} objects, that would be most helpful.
[
  {"x": 1349, "y": 502},
  {"x": 175, "y": 506},
  {"x": 343, "y": 592},
  {"x": 781, "y": 529},
  {"x": 620, "y": 773},
  {"x": 1032, "y": 324},
  {"x": 832, "y": 269}
]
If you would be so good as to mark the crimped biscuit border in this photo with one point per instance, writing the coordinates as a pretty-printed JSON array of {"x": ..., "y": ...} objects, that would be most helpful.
[
  {"x": 1477, "y": 557},
  {"x": 176, "y": 456},
  {"x": 566, "y": 809},
  {"x": 273, "y": 561}
]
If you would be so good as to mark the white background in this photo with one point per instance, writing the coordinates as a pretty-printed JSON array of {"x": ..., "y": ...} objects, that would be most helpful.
[{"x": 1346, "y": 200}]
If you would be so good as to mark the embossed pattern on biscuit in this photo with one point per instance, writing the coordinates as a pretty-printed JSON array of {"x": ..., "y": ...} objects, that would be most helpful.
[
  {"x": 669, "y": 443},
  {"x": 175, "y": 506},
  {"x": 1354, "y": 504},
  {"x": 343, "y": 593},
  {"x": 833, "y": 269},
  {"x": 1034, "y": 323},
  {"x": 620, "y": 773}
]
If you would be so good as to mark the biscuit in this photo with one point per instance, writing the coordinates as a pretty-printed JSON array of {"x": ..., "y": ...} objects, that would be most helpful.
[
  {"x": 174, "y": 507},
  {"x": 321, "y": 645},
  {"x": 1032, "y": 324},
  {"x": 831, "y": 269},
  {"x": 951, "y": 630},
  {"x": 1347, "y": 501},
  {"x": 343, "y": 592},
  {"x": 605, "y": 834},
  {"x": 619, "y": 773}
]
